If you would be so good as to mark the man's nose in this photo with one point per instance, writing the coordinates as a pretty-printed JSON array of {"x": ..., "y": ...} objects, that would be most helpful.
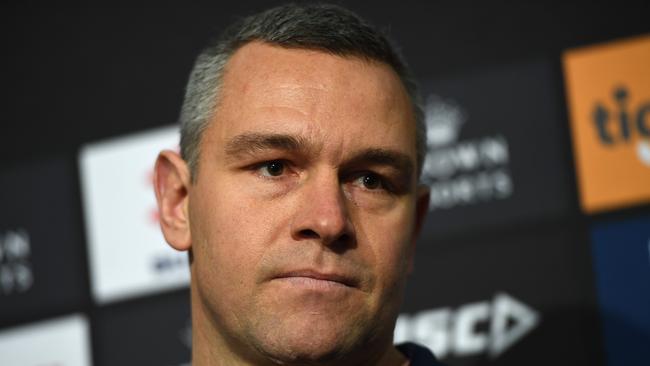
[{"x": 322, "y": 213}]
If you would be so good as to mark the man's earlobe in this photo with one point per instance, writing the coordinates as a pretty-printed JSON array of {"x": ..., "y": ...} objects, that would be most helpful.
[{"x": 171, "y": 184}]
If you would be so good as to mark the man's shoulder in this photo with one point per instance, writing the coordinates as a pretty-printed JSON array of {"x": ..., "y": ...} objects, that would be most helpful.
[{"x": 418, "y": 355}]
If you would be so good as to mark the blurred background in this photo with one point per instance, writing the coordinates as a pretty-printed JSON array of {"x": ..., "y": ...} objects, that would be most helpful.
[{"x": 537, "y": 246}]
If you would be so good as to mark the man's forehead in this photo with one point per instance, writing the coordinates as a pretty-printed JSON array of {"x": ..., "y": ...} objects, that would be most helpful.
[
  {"x": 257, "y": 68},
  {"x": 316, "y": 95}
]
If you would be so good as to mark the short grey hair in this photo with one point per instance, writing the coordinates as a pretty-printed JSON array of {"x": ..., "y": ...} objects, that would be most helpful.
[{"x": 329, "y": 28}]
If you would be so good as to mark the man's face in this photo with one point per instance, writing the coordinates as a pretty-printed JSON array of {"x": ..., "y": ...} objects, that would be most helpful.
[{"x": 305, "y": 204}]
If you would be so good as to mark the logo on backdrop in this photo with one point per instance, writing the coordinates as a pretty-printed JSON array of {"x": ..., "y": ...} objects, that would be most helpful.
[
  {"x": 55, "y": 342},
  {"x": 486, "y": 327},
  {"x": 462, "y": 172},
  {"x": 16, "y": 274},
  {"x": 608, "y": 92},
  {"x": 128, "y": 254},
  {"x": 618, "y": 126}
]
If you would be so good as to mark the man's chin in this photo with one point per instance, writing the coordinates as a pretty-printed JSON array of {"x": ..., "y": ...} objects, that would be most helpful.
[{"x": 308, "y": 342}]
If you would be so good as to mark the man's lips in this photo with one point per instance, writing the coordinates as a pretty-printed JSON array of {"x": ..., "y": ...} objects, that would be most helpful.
[{"x": 315, "y": 278}]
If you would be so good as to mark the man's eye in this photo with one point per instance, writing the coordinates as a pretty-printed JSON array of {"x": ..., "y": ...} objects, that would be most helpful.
[
  {"x": 272, "y": 168},
  {"x": 370, "y": 181}
]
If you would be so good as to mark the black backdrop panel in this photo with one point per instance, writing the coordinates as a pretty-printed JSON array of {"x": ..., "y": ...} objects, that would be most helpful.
[
  {"x": 151, "y": 331},
  {"x": 42, "y": 261},
  {"x": 498, "y": 149},
  {"x": 524, "y": 299}
]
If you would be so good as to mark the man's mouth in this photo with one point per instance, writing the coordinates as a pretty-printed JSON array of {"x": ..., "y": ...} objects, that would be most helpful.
[{"x": 316, "y": 280}]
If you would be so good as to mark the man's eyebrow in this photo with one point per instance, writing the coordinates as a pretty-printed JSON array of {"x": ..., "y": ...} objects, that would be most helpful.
[
  {"x": 378, "y": 156},
  {"x": 251, "y": 142}
]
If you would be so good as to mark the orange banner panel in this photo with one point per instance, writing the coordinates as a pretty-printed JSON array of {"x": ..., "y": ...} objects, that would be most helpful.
[{"x": 608, "y": 94}]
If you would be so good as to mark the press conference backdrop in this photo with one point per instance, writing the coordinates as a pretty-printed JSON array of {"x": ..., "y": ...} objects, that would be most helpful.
[{"x": 536, "y": 250}]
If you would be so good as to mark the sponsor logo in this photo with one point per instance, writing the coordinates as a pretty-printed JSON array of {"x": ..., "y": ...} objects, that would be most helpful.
[
  {"x": 616, "y": 127},
  {"x": 165, "y": 262},
  {"x": 58, "y": 342},
  {"x": 462, "y": 172},
  {"x": 608, "y": 92},
  {"x": 16, "y": 274},
  {"x": 485, "y": 327},
  {"x": 128, "y": 254}
]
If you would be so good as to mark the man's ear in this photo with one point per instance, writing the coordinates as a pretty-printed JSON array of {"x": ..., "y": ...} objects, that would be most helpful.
[
  {"x": 421, "y": 210},
  {"x": 171, "y": 184}
]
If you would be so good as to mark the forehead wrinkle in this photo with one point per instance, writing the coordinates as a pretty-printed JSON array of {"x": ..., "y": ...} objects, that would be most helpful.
[{"x": 251, "y": 142}]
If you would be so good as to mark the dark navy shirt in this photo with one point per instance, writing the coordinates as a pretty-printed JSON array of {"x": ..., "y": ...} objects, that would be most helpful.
[{"x": 418, "y": 355}]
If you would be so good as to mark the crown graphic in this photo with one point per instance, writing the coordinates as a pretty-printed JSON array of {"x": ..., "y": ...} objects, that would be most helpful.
[{"x": 444, "y": 119}]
